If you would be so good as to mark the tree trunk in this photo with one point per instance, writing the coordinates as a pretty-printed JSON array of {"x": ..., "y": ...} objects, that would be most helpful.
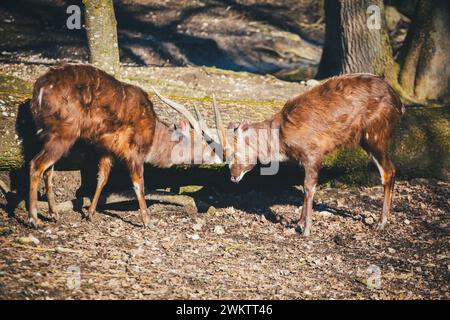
[
  {"x": 425, "y": 68},
  {"x": 101, "y": 29},
  {"x": 353, "y": 43}
]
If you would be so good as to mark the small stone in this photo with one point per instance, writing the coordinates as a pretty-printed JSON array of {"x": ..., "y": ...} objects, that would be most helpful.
[
  {"x": 230, "y": 210},
  {"x": 219, "y": 230},
  {"x": 195, "y": 237},
  {"x": 324, "y": 213},
  {"x": 30, "y": 239},
  {"x": 391, "y": 250},
  {"x": 184, "y": 220},
  {"x": 406, "y": 221},
  {"x": 369, "y": 220},
  {"x": 157, "y": 260},
  {"x": 312, "y": 82},
  {"x": 197, "y": 227}
]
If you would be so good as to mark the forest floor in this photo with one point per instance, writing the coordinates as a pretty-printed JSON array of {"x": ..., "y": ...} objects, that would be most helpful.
[
  {"x": 242, "y": 35},
  {"x": 246, "y": 245}
]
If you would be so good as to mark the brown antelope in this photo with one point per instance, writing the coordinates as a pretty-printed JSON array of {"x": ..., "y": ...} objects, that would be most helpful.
[
  {"x": 73, "y": 102},
  {"x": 343, "y": 111}
]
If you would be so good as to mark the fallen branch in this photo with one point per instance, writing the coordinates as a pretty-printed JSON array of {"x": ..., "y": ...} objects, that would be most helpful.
[{"x": 175, "y": 199}]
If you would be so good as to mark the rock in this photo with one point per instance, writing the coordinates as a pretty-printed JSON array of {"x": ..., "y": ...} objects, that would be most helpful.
[
  {"x": 195, "y": 237},
  {"x": 230, "y": 210},
  {"x": 197, "y": 227},
  {"x": 324, "y": 213},
  {"x": 312, "y": 82},
  {"x": 406, "y": 221},
  {"x": 5, "y": 231},
  {"x": 289, "y": 231},
  {"x": 157, "y": 260},
  {"x": 219, "y": 230},
  {"x": 29, "y": 240},
  {"x": 391, "y": 250},
  {"x": 369, "y": 220}
]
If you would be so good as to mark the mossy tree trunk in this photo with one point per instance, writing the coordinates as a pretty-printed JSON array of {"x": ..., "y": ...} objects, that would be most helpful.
[
  {"x": 356, "y": 40},
  {"x": 424, "y": 59},
  {"x": 101, "y": 29}
]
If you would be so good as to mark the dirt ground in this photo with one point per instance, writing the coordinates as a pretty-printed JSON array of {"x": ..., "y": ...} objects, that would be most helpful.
[
  {"x": 233, "y": 35},
  {"x": 245, "y": 246}
]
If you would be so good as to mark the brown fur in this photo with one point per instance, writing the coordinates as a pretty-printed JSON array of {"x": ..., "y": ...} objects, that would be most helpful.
[
  {"x": 74, "y": 102},
  {"x": 344, "y": 111}
]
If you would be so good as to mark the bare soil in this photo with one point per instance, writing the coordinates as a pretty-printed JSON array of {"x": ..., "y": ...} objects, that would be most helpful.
[
  {"x": 233, "y": 35},
  {"x": 245, "y": 247}
]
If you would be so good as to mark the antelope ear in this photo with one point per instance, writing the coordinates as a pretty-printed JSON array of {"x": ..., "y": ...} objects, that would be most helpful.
[{"x": 182, "y": 124}]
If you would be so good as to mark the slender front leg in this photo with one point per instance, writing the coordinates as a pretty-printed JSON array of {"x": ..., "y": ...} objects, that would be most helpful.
[
  {"x": 388, "y": 179},
  {"x": 311, "y": 174},
  {"x": 104, "y": 169},
  {"x": 40, "y": 163},
  {"x": 137, "y": 177},
  {"x": 48, "y": 178}
]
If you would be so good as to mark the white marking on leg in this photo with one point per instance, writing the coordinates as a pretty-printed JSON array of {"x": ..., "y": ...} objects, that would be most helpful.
[
  {"x": 136, "y": 188},
  {"x": 41, "y": 92},
  {"x": 47, "y": 167},
  {"x": 380, "y": 169},
  {"x": 100, "y": 178}
]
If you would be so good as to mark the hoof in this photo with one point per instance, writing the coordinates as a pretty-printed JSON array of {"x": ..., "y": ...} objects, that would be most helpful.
[
  {"x": 145, "y": 219},
  {"x": 54, "y": 217},
  {"x": 306, "y": 227},
  {"x": 34, "y": 222},
  {"x": 88, "y": 216},
  {"x": 307, "y": 232},
  {"x": 380, "y": 226}
]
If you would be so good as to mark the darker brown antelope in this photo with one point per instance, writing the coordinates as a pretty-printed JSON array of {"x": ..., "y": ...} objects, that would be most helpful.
[
  {"x": 73, "y": 102},
  {"x": 343, "y": 111}
]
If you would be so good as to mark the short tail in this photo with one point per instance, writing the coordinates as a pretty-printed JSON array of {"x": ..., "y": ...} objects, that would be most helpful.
[{"x": 397, "y": 102}]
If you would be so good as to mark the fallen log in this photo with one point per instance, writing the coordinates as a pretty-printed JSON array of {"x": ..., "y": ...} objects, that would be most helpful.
[
  {"x": 190, "y": 204},
  {"x": 420, "y": 147}
]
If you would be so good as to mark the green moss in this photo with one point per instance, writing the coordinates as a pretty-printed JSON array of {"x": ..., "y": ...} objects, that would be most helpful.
[
  {"x": 10, "y": 85},
  {"x": 190, "y": 189}
]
